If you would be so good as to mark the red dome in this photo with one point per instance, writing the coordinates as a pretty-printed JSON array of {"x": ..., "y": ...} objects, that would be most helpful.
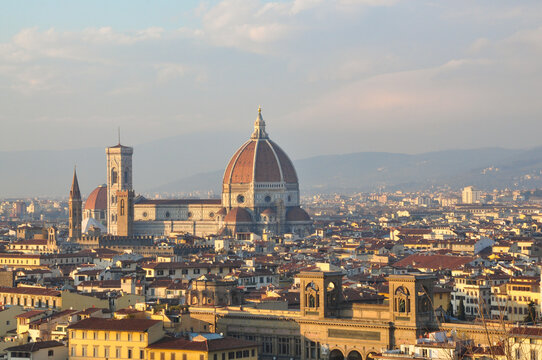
[
  {"x": 260, "y": 160},
  {"x": 97, "y": 200},
  {"x": 268, "y": 212},
  {"x": 297, "y": 214},
  {"x": 238, "y": 215}
]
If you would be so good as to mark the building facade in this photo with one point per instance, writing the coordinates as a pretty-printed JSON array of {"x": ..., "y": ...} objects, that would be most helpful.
[{"x": 260, "y": 194}]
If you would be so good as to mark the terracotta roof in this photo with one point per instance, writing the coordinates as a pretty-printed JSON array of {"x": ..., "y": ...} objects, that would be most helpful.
[
  {"x": 113, "y": 324},
  {"x": 35, "y": 346},
  {"x": 225, "y": 343},
  {"x": 30, "y": 291},
  {"x": 97, "y": 200},
  {"x": 268, "y": 212},
  {"x": 259, "y": 160},
  {"x": 237, "y": 215},
  {"x": 434, "y": 262},
  {"x": 527, "y": 331},
  {"x": 30, "y": 314},
  {"x": 180, "y": 201},
  {"x": 297, "y": 214}
]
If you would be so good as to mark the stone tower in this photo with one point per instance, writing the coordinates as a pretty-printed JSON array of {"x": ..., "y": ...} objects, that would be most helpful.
[
  {"x": 75, "y": 209},
  {"x": 119, "y": 178},
  {"x": 320, "y": 293},
  {"x": 411, "y": 305},
  {"x": 125, "y": 212}
]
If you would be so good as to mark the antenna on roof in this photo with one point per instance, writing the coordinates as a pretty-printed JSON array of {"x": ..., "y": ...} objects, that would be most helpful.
[{"x": 119, "y": 133}]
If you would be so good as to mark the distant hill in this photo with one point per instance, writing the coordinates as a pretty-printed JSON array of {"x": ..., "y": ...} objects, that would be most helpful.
[
  {"x": 366, "y": 171},
  {"x": 198, "y": 169}
]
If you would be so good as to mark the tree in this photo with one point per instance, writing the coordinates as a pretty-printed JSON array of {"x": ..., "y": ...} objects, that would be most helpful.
[
  {"x": 461, "y": 311},
  {"x": 450, "y": 309},
  {"x": 532, "y": 314}
]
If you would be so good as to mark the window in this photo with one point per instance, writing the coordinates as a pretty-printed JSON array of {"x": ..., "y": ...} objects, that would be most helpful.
[
  {"x": 50, "y": 353},
  {"x": 284, "y": 345},
  {"x": 162, "y": 356},
  {"x": 238, "y": 355},
  {"x": 129, "y": 353},
  {"x": 223, "y": 356},
  {"x": 94, "y": 335},
  {"x": 106, "y": 335},
  {"x": 201, "y": 357},
  {"x": 246, "y": 353},
  {"x": 117, "y": 352},
  {"x": 151, "y": 356},
  {"x": 231, "y": 355},
  {"x": 84, "y": 335},
  {"x": 117, "y": 336},
  {"x": 95, "y": 351},
  {"x": 72, "y": 351},
  {"x": 196, "y": 271},
  {"x": 106, "y": 351},
  {"x": 215, "y": 357},
  {"x": 534, "y": 355},
  {"x": 141, "y": 354},
  {"x": 267, "y": 345},
  {"x": 141, "y": 337},
  {"x": 297, "y": 347},
  {"x": 172, "y": 356},
  {"x": 129, "y": 337},
  {"x": 184, "y": 356},
  {"x": 253, "y": 352},
  {"x": 84, "y": 351}
]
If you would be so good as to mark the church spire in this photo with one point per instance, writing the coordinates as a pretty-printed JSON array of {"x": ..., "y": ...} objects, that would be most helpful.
[
  {"x": 74, "y": 191},
  {"x": 259, "y": 127}
]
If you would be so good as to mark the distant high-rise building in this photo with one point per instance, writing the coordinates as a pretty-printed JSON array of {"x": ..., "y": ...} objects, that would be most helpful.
[
  {"x": 19, "y": 209},
  {"x": 76, "y": 210},
  {"x": 119, "y": 178},
  {"x": 470, "y": 196}
]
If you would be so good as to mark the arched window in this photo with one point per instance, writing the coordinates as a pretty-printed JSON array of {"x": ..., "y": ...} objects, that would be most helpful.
[
  {"x": 122, "y": 207},
  {"x": 312, "y": 301},
  {"x": 113, "y": 176}
]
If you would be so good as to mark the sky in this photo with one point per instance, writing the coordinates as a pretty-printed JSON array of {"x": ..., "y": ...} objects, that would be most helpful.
[{"x": 331, "y": 76}]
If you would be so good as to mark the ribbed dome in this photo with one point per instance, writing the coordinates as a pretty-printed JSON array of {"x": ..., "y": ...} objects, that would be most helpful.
[
  {"x": 238, "y": 215},
  {"x": 97, "y": 200},
  {"x": 259, "y": 160},
  {"x": 297, "y": 214}
]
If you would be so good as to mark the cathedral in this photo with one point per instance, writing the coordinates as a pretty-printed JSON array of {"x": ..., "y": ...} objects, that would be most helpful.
[{"x": 260, "y": 194}]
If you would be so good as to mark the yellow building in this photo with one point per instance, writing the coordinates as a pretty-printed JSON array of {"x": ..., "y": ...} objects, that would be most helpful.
[
  {"x": 510, "y": 301},
  {"x": 31, "y": 297},
  {"x": 202, "y": 348},
  {"x": 97, "y": 338}
]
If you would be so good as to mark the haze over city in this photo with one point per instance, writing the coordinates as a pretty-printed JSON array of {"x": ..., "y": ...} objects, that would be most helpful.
[{"x": 270, "y": 180}]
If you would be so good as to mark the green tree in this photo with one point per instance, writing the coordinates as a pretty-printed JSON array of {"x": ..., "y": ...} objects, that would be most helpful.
[
  {"x": 450, "y": 309},
  {"x": 461, "y": 311},
  {"x": 532, "y": 314}
]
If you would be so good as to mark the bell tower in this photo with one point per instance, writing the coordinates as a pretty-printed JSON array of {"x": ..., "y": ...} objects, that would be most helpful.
[
  {"x": 321, "y": 293},
  {"x": 119, "y": 178},
  {"x": 411, "y": 303},
  {"x": 75, "y": 206},
  {"x": 125, "y": 212}
]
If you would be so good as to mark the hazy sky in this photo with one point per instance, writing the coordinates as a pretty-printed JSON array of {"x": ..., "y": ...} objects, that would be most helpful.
[{"x": 331, "y": 76}]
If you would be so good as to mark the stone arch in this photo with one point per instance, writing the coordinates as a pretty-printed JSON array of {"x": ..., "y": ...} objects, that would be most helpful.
[
  {"x": 354, "y": 355},
  {"x": 336, "y": 355}
]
